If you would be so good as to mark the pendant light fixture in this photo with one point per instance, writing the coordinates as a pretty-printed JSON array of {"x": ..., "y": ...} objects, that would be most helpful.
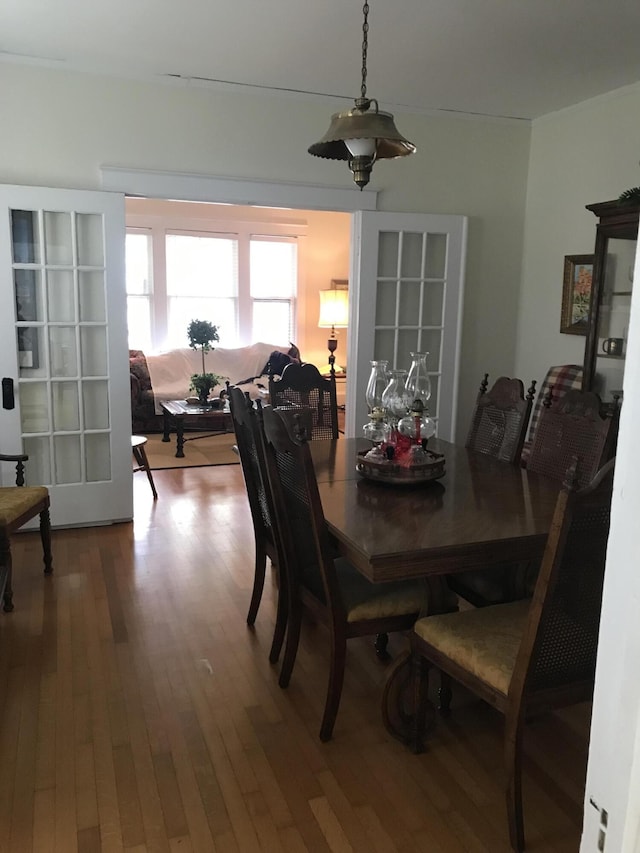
[{"x": 364, "y": 133}]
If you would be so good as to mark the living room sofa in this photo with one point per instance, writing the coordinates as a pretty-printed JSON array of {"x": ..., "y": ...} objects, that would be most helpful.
[{"x": 167, "y": 376}]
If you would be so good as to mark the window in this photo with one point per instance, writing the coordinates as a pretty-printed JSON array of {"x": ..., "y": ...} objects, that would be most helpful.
[
  {"x": 243, "y": 282},
  {"x": 202, "y": 283},
  {"x": 139, "y": 290},
  {"x": 273, "y": 277}
]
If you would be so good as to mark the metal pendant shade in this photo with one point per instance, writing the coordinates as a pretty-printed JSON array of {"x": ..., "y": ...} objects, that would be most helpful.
[{"x": 362, "y": 134}]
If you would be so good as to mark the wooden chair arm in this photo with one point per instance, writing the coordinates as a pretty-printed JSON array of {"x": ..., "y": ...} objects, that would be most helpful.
[{"x": 22, "y": 457}]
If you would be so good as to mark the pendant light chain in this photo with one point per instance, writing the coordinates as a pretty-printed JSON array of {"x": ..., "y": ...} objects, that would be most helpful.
[{"x": 365, "y": 45}]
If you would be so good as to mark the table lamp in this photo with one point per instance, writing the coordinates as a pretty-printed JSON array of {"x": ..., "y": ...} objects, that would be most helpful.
[{"x": 334, "y": 314}]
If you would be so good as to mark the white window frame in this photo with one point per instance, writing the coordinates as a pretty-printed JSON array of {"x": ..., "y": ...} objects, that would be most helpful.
[{"x": 243, "y": 230}]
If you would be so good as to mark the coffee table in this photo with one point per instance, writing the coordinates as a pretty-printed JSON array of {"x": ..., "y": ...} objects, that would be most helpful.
[{"x": 178, "y": 414}]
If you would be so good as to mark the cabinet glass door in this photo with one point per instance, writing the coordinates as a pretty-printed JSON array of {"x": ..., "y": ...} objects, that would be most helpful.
[
  {"x": 64, "y": 345},
  {"x": 613, "y": 317}
]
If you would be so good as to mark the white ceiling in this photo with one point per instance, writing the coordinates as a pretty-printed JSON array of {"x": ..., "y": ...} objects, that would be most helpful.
[{"x": 516, "y": 58}]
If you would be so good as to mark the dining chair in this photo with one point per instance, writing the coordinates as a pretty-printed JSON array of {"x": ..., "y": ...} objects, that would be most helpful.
[
  {"x": 498, "y": 428},
  {"x": 250, "y": 451},
  {"x": 334, "y": 592},
  {"x": 500, "y": 418},
  {"x": 573, "y": 426},
  {"x": 302, "y": 386},
  {"x": 527, "y": 656},
  {"x": 18, "y": 505},
  {"x": 139, "y": 452},
  {"x": 558, "y": 379}
]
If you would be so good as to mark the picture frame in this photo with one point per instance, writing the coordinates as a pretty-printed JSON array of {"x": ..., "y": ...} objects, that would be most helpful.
[{"x": 576, "y": 294}]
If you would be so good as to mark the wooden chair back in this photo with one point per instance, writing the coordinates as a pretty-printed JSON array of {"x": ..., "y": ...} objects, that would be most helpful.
[
  {"x": 302, "y": 386},
  {"x": 330, "y": 588},
  {"x": 499, "y": 422},
  {"x": 573, "y": 427},
  {"x": 244, "y": 417}
]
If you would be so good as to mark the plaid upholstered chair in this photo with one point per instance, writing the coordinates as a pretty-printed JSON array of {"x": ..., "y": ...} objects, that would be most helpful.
[
  {"x": 18, "y": 505},
  {"x": 527, "y": 656},
  {"x": 559, "y": 380}
]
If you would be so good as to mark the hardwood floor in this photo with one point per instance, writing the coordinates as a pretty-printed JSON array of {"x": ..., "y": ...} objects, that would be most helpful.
[{"x": 139, "y": 713}]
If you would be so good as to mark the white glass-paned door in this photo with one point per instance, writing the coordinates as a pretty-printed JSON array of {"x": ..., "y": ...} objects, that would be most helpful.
[
  {"x": 406, "y": 296},
  {"x": 64, "y": 350}
]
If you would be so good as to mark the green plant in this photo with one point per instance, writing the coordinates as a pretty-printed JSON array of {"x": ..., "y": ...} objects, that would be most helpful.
[
  {"x": 202, "y": 333},
  {"x": 202, "y": 383},
  {"x": 631, "y": 196}
]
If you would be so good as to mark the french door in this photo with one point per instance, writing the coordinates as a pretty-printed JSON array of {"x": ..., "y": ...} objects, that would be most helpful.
[
  {"x": 405, "y": 295},
  {"x": 63, "y": 350}
]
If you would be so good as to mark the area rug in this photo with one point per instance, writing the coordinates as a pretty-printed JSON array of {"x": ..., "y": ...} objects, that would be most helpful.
[{"x": 209, "y": 450}]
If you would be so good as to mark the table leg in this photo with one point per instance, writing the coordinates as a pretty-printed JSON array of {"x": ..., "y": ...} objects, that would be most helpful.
[
  {"x": 179, "y": 439},
  {"x": 166, "y": 426},
  {"x": 400, "y": 696}
]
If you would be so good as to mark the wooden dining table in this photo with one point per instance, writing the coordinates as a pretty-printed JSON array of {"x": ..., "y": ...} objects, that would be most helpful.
[{"x": 481, "y": 512}]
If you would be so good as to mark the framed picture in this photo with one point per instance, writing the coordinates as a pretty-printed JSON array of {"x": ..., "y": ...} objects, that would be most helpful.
[{"x": 576, "y": 294}]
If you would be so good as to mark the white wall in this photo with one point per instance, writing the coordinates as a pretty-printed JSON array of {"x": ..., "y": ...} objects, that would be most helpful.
[
  {"x": 58, "y": 128},
  {"x": 584, "y": 155}
]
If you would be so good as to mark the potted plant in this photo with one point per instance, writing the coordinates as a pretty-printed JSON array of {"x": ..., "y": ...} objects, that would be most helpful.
[{"x": 201, "y": 334}]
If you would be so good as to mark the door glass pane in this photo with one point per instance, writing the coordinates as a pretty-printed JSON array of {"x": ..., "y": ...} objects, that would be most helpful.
[
  {"x": 95, "y": 404},
  {"x": 433, "y": 304},
  {"x": 388, "y": 254},
  {"x": 409, "y": 303},
  {"x": 91, "y": 297},
  {"x": 430, "y": 343},
  {"x": 411, "y": 266},
  {"x": 31, "y": 361},
  {"x": 66, "y": 454},
  {"x": 60, "y": 296},
  {"x": 386, "y": 303},
  {"x": 57, "y": 238},
  {"x": 90, "y": 239},
  {"x": 97, "y": 457},
  {"x": 93, "y": 341},
  {"x": 34, "y": 407},
  {"x": 435, "y": 265},
  {"x": 433, "y": 399},
  {"x": 38, "y": 466},
  {"x": 384, "y": 346},
  {"x": 66, "y": 406},
  {"x": 62, "y": 351},
  {"x": 28, "y": 291},
  {"x": 407, "y": 343},
  {"x": 25, "y": 236}
]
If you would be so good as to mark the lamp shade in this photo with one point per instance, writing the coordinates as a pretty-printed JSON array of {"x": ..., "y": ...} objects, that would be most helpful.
[{"x": 334, "y": 309}]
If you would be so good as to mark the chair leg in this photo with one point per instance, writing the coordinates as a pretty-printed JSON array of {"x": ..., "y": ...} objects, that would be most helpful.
[
  {"x": 444, "y": 694},
  {"x": 513, "y": 765},
  {"x": 380, "y": 645},
  {"x": 334, "y": 688},
  {"x": 5, "y": 560},
  {"x": 282, "y": 613},
  {"x": 294, "y": 624},
  {"x": 420, "y": 678},
  {"x": 45, "y": 538},
  {"x": 259, "y": 571},
  {"x": 140, "y": 455}
]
